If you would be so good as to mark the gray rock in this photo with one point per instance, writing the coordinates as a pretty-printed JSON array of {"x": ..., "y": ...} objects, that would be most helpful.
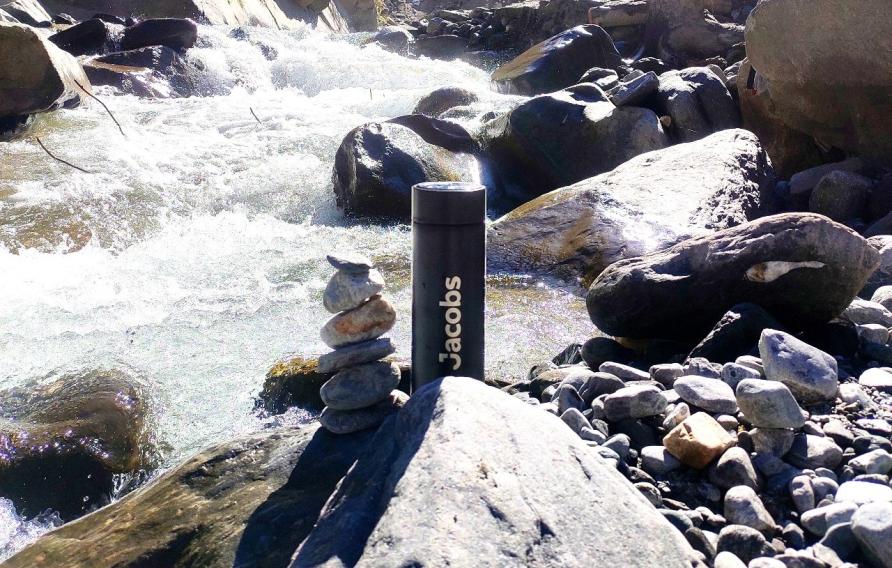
[
  {"x": 349, "y": 421},
  {"x": 348, "y": 290},
  {"x": 879, "y": 378},
  {"x": 753, "y": 362},
  {"x": 824, "y": 487},
  {"x": 872, "y": 525},
  {"x": 676, "y": 416},
  {"x": 377, "y": 515},
  {"x": 743, "y": 507},
  {"x": 598, "y": 384},
  {"x": 810, "y": 374},
  {"x": 735, "y": 334},
  {"x": 574, "y": 418},
  {"x": 772, "y": 441},
  {"x": 650, "y": 492},
  {"x": 702, "y": 367},
  {"x": 814, "y": 451},
  {"x": 766, "y": 562},
  {"x": 861, "y": 492},
  {"x": 442, "y": 99},
  {"x": 802, "y": 265},
  {"x": 624, "y": 372},
  {"x": 712, "y": 395},
  {"x": 619, "y": 443},
  {"x": 361, "y": 386},
  {"x": 634, "y": 402},
  {"x": 803, "y": 493},
  {"x": 639, "y": 199},
  {"x": 727, "y": 559},
  {"x": 883, "y": 296},
  {"x": 356, "y": 354},
  {"x": 804, "y": 182},
  {"x": 873, "y": 333},
  {"x": 743, "y": 542},
  {"x": 733, "y": 373},
  {"x": 666, "y": 373},
  {"x": 633, "y": 92},
  {"x": 840, "y": 195},
  {"x": 883, "y": 245},
  {"x": 369, "y": 321},
  {"x": 734, "y": 468},
  {"x": 567, "y": 397},
  {"x": 604, "y": 78},
  {"x": 656, "y": 460},
  {"x": 769, "y": 404},
  {"x": 698, "y": 102},
  {"x": 838, "y": 543},
  {"x": 862, "y": 311},
  {"x": 817, "y": 521},
  {"x": 852, "y": 393},
  {"x": 875, "y": 462}
]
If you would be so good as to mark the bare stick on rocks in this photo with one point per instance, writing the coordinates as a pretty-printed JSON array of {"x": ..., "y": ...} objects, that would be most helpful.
[
  {"x": 260, "y": 122},
  {"x": 94, "y": 97},
  {"x": 69, "y": 164}
]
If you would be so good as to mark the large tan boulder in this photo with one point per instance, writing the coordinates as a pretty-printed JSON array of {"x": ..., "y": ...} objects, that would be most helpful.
[
  {"x": 826, "y": 70},
  {"x": 35, "y": 75}
]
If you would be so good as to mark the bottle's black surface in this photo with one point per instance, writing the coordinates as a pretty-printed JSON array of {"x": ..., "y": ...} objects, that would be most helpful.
[{"x": 448, "y": 281}]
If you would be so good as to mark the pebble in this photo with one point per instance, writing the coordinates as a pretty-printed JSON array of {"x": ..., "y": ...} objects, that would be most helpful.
[
  {"x": 349, "y": 421},
  {"x": 743, "y": 507},
  {"x": 839, "y": 539},
  {"x": 567, "y": 397},
  {"x": 803, "y": 493},
  {"x": 817, "y": 521},
  {"x": 810, "y": 374},
  {"x": 667, "y": 373},
  {"x": 879, "y": 378},
  {"x": 753, "y": 362},
  {"x": 733, "y": 373},
  {"x": 837, "y": 431},
  {"x": 873, "y": 333},
  {"x": 350, "y": 262},
  {"x": 793, "y": 536},
  {"x": 814, "y": 451},
  {"x": 651, "y": 493},
  {"x": 600, "y": 383},
  {"x": 883, "y": 296},
  {"x": 824, "y": 487},
  {"x": 743, "y": 542},
  {"x": 656, "y": 460},
  {"x": 766, "y": 562},
  {"x": 624, "y": 372},
  {"x": 634, "y": 402},
  {"x": 360, "y": 386},
  {"x": 872, "y": 526},
  {"x": 369, "y": 321},
  {"x": 698, "y": 440},
  {"x": 702, "y": 367},
  {"x": 619, "y": 443},
  {"x": 679, "y": 414},
  {"x": 861, "y": 492},
  {"x": 710, "y": 394},
  {"x": 348, "y": 290},
  {"x": 356, "y": 354},
  {"x": 876, "y": 461},
  {"x": 630, "y": 93},
  {"x": 769, "y": 404},
  {"x": 852, "y": 393},
  {"x": 726, "y": 559},
  {"x": 574, "y": 419},
  {"x": 861, "y": 312},
  {"x": 772, "y": 441},
  {"x": 728, "y": 422},
  {"x": 734, "y": 468}
]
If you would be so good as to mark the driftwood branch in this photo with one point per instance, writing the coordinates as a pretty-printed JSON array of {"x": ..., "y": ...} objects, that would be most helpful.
[
  {"x": 260, "y": 122},
  {"x": 69, "y": 164},
  {"x": 94, "y": 97}
]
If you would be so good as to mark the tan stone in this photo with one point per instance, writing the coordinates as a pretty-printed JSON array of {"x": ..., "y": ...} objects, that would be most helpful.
[
  {"x": 370, "y": 320},
  {"x": 698, "y": 440}
]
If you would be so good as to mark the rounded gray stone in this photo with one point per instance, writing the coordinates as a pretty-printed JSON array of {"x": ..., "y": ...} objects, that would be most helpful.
[
  {"x": 356, "y": 354},
  {"x": 348, "y": 290},
  {"x": 710, "y": 394},
  {"x": 872, "y": 525},
  {"x": 743, "y": 507},
  {"x": 810, "y": 374},
  {"x": 637, "y": 401},
  {"x": 349, "y": 421},
  {"x": 769, "y": 404},
  {"x": 360, "y": 387}
]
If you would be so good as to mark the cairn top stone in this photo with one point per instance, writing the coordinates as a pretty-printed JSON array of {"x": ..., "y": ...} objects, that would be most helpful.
[{"x": 350, "y": 262}]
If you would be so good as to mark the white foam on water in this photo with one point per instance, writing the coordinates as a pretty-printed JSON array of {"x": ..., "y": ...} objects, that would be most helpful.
[{"x": 194, "y": 251}]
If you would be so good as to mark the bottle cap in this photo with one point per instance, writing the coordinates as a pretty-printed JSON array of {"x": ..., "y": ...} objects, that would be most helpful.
[{"x": 448, "y": 203}]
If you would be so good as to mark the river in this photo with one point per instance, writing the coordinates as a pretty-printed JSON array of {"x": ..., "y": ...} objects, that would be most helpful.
[{"x": 192, "y": 254}]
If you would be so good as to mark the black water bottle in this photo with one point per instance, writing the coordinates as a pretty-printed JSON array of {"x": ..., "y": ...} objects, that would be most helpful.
[{"x": 448, "y": 280}]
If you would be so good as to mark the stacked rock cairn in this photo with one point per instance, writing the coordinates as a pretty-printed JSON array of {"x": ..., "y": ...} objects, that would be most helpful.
[{"x": 362, "y": 393}]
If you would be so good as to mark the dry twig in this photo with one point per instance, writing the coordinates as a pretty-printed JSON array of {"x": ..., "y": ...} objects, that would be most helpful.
[{"x": 69, "y": 164}]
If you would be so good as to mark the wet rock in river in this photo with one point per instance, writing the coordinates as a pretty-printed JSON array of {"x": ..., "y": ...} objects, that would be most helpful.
[
  {"x": 175, "y": 33},
  {"x": 91, "y": 36},
  {"x": 440, "y": 100},
  {"x": 292, "y": 382}
]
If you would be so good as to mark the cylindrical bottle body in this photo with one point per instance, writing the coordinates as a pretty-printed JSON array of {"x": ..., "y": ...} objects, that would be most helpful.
[{"x": 448, "y": 300}]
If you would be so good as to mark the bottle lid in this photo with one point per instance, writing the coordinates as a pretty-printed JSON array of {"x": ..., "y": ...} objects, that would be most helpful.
[{"x": 448, "y": 203}]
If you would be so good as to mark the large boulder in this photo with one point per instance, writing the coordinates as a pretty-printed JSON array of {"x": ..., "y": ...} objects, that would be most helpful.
[
  {"x": 246, "y": 503},
  {"x": 28, "y": 12},
  {"x": 558, "y": 139},
  {"x": 63, "y": 443},
  {"x": 686, "y": 30},
  {"x": 697, "y": 101},
  {"x": 35, "y": 75},
  {"x": 803, "y": 268},
  {"x": 823, "y": 74},
  {"x": 378, "y": 163},
  {"x": 558, "y": 62},
  {"x": 455, "y": 479},
  {"x": 644, "y": 205},
  {"x": 152, "y": 72}
]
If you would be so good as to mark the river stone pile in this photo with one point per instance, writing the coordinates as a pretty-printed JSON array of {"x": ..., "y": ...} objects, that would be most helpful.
[
  {"x": 778, "y": 457},
  {"x": 362, "y": 392}
]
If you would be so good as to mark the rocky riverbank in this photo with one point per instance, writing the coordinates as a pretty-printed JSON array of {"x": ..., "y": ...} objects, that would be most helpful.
[{"x": 713, "y": 176}]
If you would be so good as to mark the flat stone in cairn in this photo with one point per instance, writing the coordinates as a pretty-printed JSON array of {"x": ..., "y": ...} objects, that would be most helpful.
[
  {"x": 369, "y": 321},
  {"x": 348, "y": 290},
  {"x": 350, "y": 262},
  {"x": 349, "y": 421},
  {"x": 810, "y": 374},
  {"x": 356, "y": 354},
  {"x": 712, "y": 395},
  {"x": 698, "y": 440},
  {"x": 769, "y": 404},
  {"x": 361, "y": 386}
]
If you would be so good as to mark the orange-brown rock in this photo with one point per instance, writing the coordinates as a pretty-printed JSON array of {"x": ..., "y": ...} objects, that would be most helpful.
[{"x": 698, "y": 440}]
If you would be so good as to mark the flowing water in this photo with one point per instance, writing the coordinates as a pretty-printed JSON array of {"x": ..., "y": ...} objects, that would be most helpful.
[{"x": 192, "y": 253}]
